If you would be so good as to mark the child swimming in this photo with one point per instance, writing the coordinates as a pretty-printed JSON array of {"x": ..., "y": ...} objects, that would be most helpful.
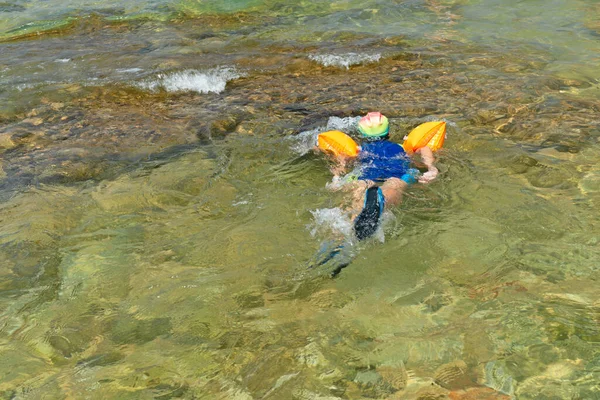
[{"x": 382, "y": 173}]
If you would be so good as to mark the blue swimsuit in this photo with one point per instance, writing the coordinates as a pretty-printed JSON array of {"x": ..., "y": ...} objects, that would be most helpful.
[{"x": 382, "y": 159}]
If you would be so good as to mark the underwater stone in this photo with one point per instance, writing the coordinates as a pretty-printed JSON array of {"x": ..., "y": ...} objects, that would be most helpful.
[
  {"x": 510, "y": 127},
  {"x": 16, "y": 368},
  {"x": 101, "y": 360},
  {"x": 563, "y": 84},
  {"x": 368, "y": 378},
  {"x": 224, "y": 125},
  {"x": 478, "y": 393},
  {"x": 249, "y": 300},
  {"x": 590, "y": 183},
  {"x": 453, "y": 375},
  {"x": 544, "y": 352},
  {"x": 33, "y": 121},
  {"x": 541, "y": 387},
  {"x": 548, "y": 178},
  {"x": 6, "y": 141},
  {"x": 484, "y": 117},
  {"x": 231, "y": 340},
  {"x": 435, "y": 302},
  {"x": 258, "y": 128},
  {"x": 128, "y": 330},
  {"x": 432, "y": 393},
  {"x": 521, "y": 366},
  {"x": 575, "y": 348},
  {"x": 395, "y": 377},
  {"x": 312, "y": 356},
  {"x": 305, "y": 394},
  {"x": 62, "y": 345},
  {"x": 329, "y": 298},
  {"x": 521, "y": 163},
  {"x": 372, "y": 384},
  {"x": 497, "y": 377}
]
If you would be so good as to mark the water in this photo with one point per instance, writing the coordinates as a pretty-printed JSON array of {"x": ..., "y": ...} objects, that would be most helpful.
[{"x": 160, "y": 204}]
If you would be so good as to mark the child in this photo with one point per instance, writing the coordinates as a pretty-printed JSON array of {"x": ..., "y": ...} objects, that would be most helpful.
[{"x": 383, "y": 173}]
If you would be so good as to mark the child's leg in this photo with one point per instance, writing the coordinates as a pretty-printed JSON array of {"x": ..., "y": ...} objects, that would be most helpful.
[
  {"x": 392, "y": 189},
  {"x": 358, "y": 196},
  {"x": 389, "y": 194}
]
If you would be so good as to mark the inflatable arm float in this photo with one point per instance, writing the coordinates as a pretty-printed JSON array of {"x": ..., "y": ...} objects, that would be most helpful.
[
  {"x": 338, "y": 144},
  {"x": 430, "y": 134}
]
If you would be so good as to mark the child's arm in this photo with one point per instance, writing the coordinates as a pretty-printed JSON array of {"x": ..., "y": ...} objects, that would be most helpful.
[
  {"x": 428, "y": 159},
  {"x": 339, "y": 168}
]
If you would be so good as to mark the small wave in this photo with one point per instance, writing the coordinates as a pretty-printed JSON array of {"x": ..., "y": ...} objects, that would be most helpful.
[
  {"x": 212, "y": 81},
  {"x": 62, "y": 60},
  {"x": 129, "y": 70},
  {"x": 344, "y": 60}
]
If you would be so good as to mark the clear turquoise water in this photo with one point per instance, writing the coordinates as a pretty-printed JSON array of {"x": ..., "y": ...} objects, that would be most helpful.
[{"x": 161, "y": 205}]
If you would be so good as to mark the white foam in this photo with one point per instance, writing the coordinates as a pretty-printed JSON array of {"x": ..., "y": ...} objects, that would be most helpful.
[
  {"x": 344, "y": 60},
  {"x": 331, "y": 220},
  {"x": 62, "y": 60},
  {"x": 211, "y": 81}
]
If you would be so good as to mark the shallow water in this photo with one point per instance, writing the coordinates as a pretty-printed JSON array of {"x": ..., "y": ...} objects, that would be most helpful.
[{"x": 161, "y": 207}]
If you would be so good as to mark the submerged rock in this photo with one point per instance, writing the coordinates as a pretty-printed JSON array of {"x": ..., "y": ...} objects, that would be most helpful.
[
  {"x": 129, "y": 330},
  {"x": 549, "y": 177},
  {"x": 479, "y": 393},
  {"x": 498, "y": 378},
  {"x": 6, "y": 141},
  {"x": 454, "y": 375},
  {"x": 395, "y": 377},
  {"x": 312, "y": 356},
  {"x": 432, "y": 393},
  {"x": 590, "y": 183}
]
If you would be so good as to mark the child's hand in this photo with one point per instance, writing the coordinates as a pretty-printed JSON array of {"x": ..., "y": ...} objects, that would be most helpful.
[{"x": 429, "y": 175}]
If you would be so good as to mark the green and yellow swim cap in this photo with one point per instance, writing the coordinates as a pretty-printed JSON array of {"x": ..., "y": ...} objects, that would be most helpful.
[{"x": 374, "y": 125}]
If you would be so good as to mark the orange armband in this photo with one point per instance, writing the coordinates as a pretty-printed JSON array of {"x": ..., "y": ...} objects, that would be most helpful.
[
  {"x": 431, "y": 134},
  {"x": 338, "y": 143}
]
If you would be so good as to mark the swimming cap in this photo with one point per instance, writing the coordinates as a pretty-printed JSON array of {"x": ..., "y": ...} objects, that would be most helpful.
[{"x": 374, "y": 125}]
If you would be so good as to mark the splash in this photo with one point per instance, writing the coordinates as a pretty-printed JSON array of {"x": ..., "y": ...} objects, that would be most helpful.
[
  {"x": 307, "y": 140},
  {"x": 331, "y": 220},
  {"x": 212, "y": 81},
  {"x": 347, "y": 125},
  {"x": 344, "y": 60}
]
